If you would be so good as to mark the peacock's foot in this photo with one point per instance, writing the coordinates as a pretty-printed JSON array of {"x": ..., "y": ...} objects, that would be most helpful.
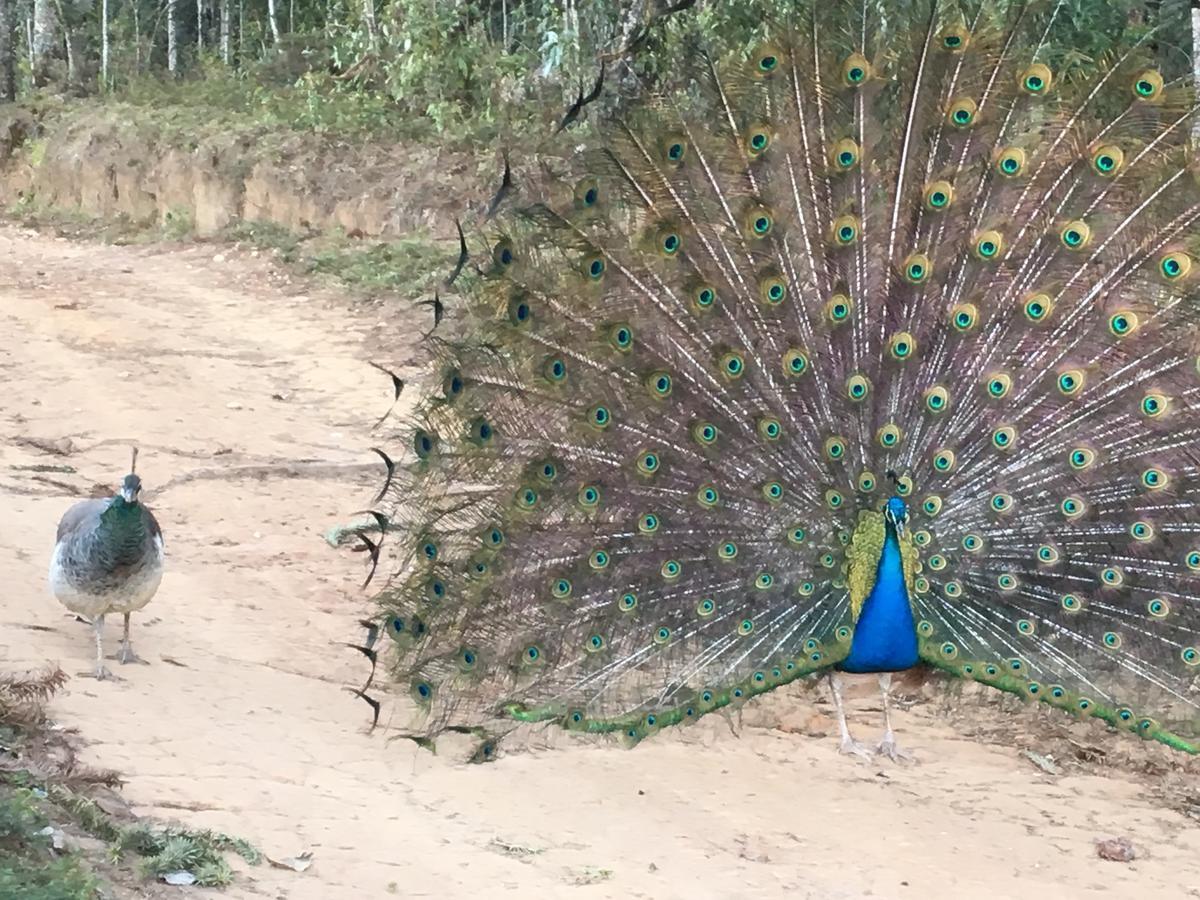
[
  {"x": 126, "y": 655},
  {"x": 889, "y": 748},
  {"x": 851, "y": 747},
  {"x": 101, "y": 673}
]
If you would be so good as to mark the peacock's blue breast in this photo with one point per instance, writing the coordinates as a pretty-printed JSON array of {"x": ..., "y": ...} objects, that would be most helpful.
[{"x": 885, "y": 636}]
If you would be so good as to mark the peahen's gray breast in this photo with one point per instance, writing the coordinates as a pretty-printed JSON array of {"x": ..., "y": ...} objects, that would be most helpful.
[{"x": 105, "y": 547}]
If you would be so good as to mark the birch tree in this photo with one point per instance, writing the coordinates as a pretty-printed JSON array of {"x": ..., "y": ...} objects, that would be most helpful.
[
  {"x": 273, "y": 18},
  {"x": 42, "y": 45},
  {"x": 103, "y": 44},
  {"x": 1196, "y": 64},
  {"x": 172, "y": 38}
]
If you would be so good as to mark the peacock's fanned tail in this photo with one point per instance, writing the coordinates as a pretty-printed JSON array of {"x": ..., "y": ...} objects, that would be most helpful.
[{"x": 931, "y": 246}]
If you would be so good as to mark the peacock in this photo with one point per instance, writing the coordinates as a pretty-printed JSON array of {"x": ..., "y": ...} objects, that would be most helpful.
[
  {"x": 108, "y": 558},
  {"x": 873, "y": 348}
]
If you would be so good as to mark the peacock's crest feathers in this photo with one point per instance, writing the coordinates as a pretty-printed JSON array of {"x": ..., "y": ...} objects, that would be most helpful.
[{"x": 645, "y": 481}]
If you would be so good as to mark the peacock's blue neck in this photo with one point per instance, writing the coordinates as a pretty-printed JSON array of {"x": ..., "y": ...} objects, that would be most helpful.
[{"x": 885, "y": 635}]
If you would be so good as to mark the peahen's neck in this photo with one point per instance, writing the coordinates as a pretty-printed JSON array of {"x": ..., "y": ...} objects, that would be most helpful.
[
  {"x": 885, "y": 635},
  {"x": 122, "y": 531}
]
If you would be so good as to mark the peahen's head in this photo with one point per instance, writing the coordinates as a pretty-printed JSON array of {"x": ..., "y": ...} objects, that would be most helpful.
[
  {"x": 131, "y": 487},
  {"x": 896, "y": 512}
]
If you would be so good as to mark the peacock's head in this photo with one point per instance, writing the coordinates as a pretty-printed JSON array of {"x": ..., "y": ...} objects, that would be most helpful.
[
  {"x": 896, "y": 512},
  {"x": 130, "y": 488}
]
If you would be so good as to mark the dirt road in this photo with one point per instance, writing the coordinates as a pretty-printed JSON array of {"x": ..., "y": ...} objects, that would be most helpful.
[{"x": 252, "y": 402}]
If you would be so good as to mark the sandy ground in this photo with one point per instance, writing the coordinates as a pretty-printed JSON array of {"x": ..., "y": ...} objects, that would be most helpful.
[{"x": 252, "y": 402}]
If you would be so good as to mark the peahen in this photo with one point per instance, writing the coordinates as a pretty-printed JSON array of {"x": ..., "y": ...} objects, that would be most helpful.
[
  {"x": 108, "y": 558},
  {"x": 875, "y": 348}
]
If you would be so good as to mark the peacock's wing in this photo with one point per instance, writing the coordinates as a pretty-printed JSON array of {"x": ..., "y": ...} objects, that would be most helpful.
[{"x": 909, "y": 247}]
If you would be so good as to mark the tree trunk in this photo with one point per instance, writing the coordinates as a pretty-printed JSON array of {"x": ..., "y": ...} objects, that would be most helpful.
[
  {"x": 368, "y": 14},
  {"x": 225, "y": 32},
  {"x": 103, "y": 44},
  {"x": 44, "y": 28},
  {"x": 1195, "y": 63},
  {"x": 273, "y": 18},
  {"x": 8, "y": 68},
  {"x": 172, "y": 41},
  {"x": 60, "y": 13},
  {"x": 199, "y": 27}
]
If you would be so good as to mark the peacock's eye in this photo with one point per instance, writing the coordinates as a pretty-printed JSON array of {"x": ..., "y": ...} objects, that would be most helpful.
[
  {"x": 772, "y": 290},
  {"x": 998, "y": 385},
  {"x": 1175, "y": 266},
  {"x": 1153, "y": 405},
  {"x": 1081, "y": 458},
  {"x": 964, "y": 316},
  {"x": 917, "y": 269},
  {"x": 733, "y": 365},
  {"x": 704, "y": 433},
  {"x": 937, "y": 399},
  {"x": 988, "y": 246},
  {"x": 1038, "y": 307},
  {"x": 621, "y": 337},
  {"x": 1075, "y": 235},
  {"x": 1071, "y": 382},
  {"x": 1148, "y": 85},
  {"x": 795, "y": 362},
  {"x": 1072, "y": 507},
  {"x": 845, "y": 154},
  {"x": 1010, "y": 162},
  {"x": 1141, "y": 531},
  {"x": 1036, "y": 79},
  {"x": 1004, "y": 438},
  {"x": 962, "y": 113},
  {"x": 1108, "y": 160}
]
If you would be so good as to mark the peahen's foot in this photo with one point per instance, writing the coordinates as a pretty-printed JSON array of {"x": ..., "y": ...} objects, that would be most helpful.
[
  {"x": 889, "y": 748},
  {"x": 126, "y": 655},
  {"x": 101, "y": 673},
  {"x": 851, "y": 747}
]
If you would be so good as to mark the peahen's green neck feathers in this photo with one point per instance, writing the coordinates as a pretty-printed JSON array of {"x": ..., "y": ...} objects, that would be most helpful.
[
  {"x": 876, "y": 255},
  {"x": 122, "y": 531}
]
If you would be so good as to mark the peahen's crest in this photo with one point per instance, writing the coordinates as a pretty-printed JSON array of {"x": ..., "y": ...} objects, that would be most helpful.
[{"x": 652, "y": 480}]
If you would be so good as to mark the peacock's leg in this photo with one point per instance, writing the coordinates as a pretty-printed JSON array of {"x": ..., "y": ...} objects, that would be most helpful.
[
  {"x": 126, "y": 655},
  {"x": 101, "y": 671},
  {"x": 888, "y": 746},
  {"x": 849, "y": 744}
]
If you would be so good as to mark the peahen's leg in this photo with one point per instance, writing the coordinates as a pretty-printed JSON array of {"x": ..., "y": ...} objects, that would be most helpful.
[
  {"x": 849, "y": 744},
  {"x": 126, "y": 655},
  {"x": 101, "y": 671},
  {"x": 888, "y": 746}
]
